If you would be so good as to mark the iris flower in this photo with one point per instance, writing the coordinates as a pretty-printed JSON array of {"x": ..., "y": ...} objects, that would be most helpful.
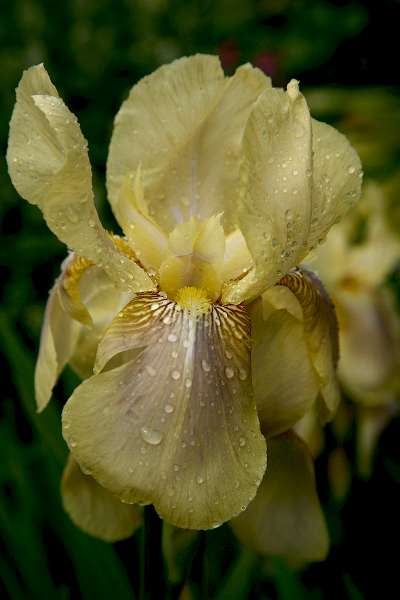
[
  {"x": 355, "y": 261},
  {"x": 197, "y": 336}
]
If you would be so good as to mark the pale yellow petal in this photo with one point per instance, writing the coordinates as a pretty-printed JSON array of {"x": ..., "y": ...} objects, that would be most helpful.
[
  {"x": 237, "y": 258},
  {"x": 94, "y": 509},
  {"x": 184, "y": 125},
  {"x": 103, "y": 301},
  {"x": 49, "y": 166},
  {"x": 285, "y": 384},
  {"x": 177, "y": 427},
  {"x": 57, "y": 343},
  {"x": 369, "y": 345},
  {"x": 336, "y": 179},
  {"x": 320, "y": 332},
  {"x": 275, "y": 207},
  {"x": 285, "y": 518}
]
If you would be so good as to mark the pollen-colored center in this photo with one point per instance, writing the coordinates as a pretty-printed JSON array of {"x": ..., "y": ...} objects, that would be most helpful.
[{"x": 193, "y": 299}]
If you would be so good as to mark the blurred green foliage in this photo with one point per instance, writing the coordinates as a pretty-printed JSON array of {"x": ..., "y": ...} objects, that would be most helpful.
[{"x": 95, "y": 50}]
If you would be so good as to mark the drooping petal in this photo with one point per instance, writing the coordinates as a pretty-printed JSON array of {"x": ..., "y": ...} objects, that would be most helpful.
[
  {"x": 275, "y": 208},
  {"x": 57, "y": 343},
  {"x": 49, "y": 166},
  {"x": 337, "y": 177},
  {"x": 183, "y": 124},
  {"x": 284, "y": 382},
  {"x": 321, "y": 334},
  {"x": 371, "y": 422},
  {"x": 94, "y": 509},
  {"x": 285, "y": 518},
  {"x": 177, "y": 427}
]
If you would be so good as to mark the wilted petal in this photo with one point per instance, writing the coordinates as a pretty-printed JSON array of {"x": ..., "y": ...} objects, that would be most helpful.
[
  {"x": 184, "y": 124},
  {"x": 49, "y": 166},
  {"x": 274, "y": 211},
  {"x": 176, "y": 427},
  {"x": 94, "y": 509},
  {"x": 321, "y": 334},
  {"x": 285, "y": 518},
  {"x": 285, "y": 385},
  {"x": 337, "y": 177}
]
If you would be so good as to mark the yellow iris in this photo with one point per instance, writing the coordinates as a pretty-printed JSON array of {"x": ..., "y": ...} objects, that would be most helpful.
[{"x": 203, "y": 337}]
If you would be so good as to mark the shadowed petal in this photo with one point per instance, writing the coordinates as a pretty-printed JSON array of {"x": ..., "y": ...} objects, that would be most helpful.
[
  {"x": 49, "y": 166},
  {"x": 321, "y": 334},
  {"x": 176, "y": 427},
  {"x": 94, "y": 509},
  {"x": 285, "y": 518},
  {"x": 285, "y": 385},
  {"x": 183, "y": 124},
  {"x": 57, "y": 342}
]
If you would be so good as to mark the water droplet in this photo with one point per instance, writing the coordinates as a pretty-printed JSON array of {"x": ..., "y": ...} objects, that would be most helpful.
[
  {"x": 73, "y": 443},
  {"x": 169, "y": 408},
  {"x": 91, "y": 223},
  {"x": 200, "y": 480},
  {"x": 151, "y": 436},
  {"x": 243, "y": 374},
  {"x": 188, "y": 383},
  {"x": 175, "y": 375},
  {"x": 205, "y": 366},
  {"x": 154, "y": 306},
  {"x": 167, "y": 321},
  {"x": 151, "y": 371},
  {"x": 351, "y": 170},
  {"x": 172, "y": 337},
  {"x": 229, "y": 372},
  {"x": 242, "y": 442},
  {"x": 176, "y": 468}
]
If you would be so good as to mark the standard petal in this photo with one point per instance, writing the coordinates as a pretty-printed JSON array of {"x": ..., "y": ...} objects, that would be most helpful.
[
  {"x": 337, "y": 177},
  {"x": 49, "y": 166},
  {"x": 285, "y": 384},
  {"x": 177, "y": 427},
  {"x": 320, "y": 332},
  {"x": 183, "y": 124},
  {"x": 285, "y": 518},
  {"x": 94, "y": 509},
  {"x": 275, "y": 208}
]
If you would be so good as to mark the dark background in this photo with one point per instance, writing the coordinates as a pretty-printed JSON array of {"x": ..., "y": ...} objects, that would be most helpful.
[{"x": 94, "y": 51}]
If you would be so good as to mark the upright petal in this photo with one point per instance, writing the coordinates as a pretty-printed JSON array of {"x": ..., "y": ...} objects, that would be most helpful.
[
  {"x": 275, "y": 207},
  {"x": 285, "y": 518},
  {"x": 183, "y": 124},
  {"x": 94, "y": 509},
  {"x": 337, "y": 177},
  {"x": 49, "y": 166},
  {"x": 176, "y": 427}
]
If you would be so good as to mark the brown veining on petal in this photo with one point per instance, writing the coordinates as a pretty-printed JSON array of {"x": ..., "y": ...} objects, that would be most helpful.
[{"x": 177, "y": 426}]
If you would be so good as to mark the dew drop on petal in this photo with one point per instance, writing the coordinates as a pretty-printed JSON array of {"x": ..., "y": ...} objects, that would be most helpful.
[
  {"x": 172, "y": 337},
  {"x": 169, "y": 408},
  {"x": 229, "y": 372},
  {"x": 205, "y": 366},
  {"x": 151, "y": 370},
  {"x": 175, "y": 375},
  {"x": 242, "y": 442},
  {"x": 200, "y": 480},
  {"x": 151, "y": 436}
]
